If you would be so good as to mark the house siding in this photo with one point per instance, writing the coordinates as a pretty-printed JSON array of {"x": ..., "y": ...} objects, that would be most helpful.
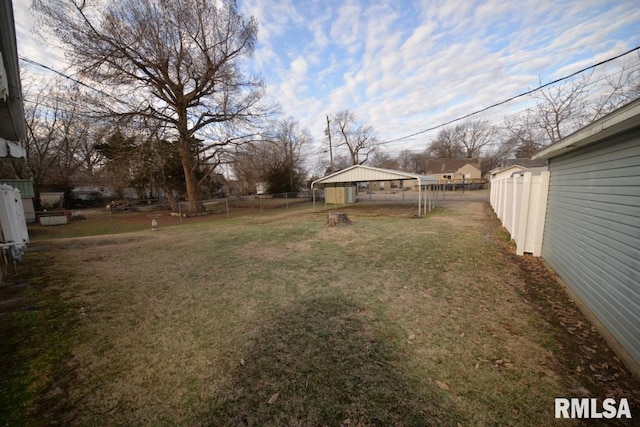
[{"x": 592, "y": 232}]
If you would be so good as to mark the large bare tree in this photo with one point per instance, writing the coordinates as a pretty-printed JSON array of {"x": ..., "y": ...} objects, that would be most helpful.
[
  {"x": 177, "y": 62},
  {"x": 358, "y": 138}
]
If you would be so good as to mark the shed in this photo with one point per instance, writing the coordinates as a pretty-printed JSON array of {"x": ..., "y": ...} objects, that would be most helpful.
[
  {"x": 25, "y": 186},
  {"x": 592, "y": 229},
  {"x": 347, "y": 180}
]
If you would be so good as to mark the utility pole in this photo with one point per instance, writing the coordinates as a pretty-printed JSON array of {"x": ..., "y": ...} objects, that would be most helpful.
[{"x": 328, "y": 132}]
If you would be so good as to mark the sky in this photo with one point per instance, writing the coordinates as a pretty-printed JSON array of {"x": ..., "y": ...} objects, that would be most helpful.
[{"x": 408, "y": 65}]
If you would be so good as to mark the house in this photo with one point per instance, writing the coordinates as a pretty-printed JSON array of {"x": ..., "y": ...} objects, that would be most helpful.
[
  {"x": 12, "y": 123},
  {"x": 453, "y": 171},
  {"x": 12, "y": 129},
  {"x": 592, "y": 226}
]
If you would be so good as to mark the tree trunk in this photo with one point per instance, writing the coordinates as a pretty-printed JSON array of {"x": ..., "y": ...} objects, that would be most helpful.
[
  {"x": 194, "y": 195},
  {"x": 188, "y": 158},
  {"x": 173, "y": 203},
  {"x": 334, "y": 218}
]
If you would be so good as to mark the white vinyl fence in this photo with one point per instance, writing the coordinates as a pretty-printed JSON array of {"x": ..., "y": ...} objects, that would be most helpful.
[{"x": 521, "y": 204}]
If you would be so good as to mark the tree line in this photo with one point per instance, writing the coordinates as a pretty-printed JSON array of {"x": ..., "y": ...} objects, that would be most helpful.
[{"x": 170, "y": 105}]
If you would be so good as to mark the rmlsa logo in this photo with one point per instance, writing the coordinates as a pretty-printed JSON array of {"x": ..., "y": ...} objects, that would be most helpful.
[{"x": 589, "y": 408}]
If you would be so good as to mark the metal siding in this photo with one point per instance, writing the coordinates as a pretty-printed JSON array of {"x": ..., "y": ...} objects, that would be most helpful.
[
  {"x": 359, "y": 173},
  {"x": 592, "y": 231},
  {"x": 24, "y": 185}
]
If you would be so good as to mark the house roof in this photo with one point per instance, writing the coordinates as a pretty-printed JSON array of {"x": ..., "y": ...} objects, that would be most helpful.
[
  {"x": 441, "y": 166},
  {"x": 360, "y": 173},
  {"x": 12, "y": 123},
  {"x": 621, "y": 120}
]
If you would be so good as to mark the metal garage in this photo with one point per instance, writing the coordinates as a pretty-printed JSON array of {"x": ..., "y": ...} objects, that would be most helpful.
[
  {"x": 349, "y": 177},
  {"x": 592, "y": 230}
]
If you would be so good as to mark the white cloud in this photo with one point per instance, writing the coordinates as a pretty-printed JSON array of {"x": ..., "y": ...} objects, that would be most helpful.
[
  {"x": 403, "y": 66},
  {"x": 346, "y": 27}
]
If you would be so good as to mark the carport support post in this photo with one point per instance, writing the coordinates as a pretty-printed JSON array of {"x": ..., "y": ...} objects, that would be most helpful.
[
  {"x": 419, "y": 199},
  {"x": 426, "y": 196},
  {"x": 325, "y": 197}
]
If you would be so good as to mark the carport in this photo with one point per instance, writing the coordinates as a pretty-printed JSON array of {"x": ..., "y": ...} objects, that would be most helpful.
[{"x": 351, "y": 176}]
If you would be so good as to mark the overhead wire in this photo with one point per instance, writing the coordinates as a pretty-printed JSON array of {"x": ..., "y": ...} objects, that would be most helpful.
[
  {"x": 402, "y": 138},
  {"x": 505, "y": 101},
  {"x": 68, "y": 77}
]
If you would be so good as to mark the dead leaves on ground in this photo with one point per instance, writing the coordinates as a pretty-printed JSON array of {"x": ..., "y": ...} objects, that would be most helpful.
[
  {"x": 273, "y": 398},
  {"x": 496, "y": 363},
  {"x": 443, "y": 385}
]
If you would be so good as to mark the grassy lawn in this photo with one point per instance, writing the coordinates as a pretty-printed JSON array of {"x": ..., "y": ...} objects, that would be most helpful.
[{"x": 280, "y": 320}]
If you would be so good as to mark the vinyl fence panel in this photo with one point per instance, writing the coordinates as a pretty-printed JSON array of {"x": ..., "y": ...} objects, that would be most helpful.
[{"x": 520, "y": 203}]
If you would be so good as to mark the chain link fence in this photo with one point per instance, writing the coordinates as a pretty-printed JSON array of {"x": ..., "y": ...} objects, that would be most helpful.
[{"x": 254, "y": 203}]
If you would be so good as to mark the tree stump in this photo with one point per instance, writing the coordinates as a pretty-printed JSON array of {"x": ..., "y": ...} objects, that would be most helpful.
[{"x": 335, "y": 218}]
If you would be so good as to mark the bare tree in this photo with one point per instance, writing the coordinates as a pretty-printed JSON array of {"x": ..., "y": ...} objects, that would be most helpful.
[
  {"x": 359, "y": 139},
  {"x": 277, "y": 158},
  {"x": 564, "y": 108},
  {"x": 286, "y": 143},
  {"x": 446, "y": 145},
  {"x": 406, "y": 161},
  {"x": 177, "y": 62},
  {"x": 56, "y": 132},
  {"x": 465, "y": 140},
  {"x": 475, "y": 136},
  {"x": 384, "y": 160},
  {"x": 619, "y": 88}
]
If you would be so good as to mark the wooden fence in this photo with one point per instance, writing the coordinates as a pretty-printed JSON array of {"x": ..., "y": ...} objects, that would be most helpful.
[{"x": 520, "y": 202}]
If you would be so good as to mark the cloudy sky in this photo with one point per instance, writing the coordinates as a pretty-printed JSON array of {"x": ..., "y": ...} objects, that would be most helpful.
[{"x": 408, "y": 65}]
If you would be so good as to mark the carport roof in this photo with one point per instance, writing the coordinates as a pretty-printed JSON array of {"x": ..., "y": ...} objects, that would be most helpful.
[{"x": 360, "y": 173}]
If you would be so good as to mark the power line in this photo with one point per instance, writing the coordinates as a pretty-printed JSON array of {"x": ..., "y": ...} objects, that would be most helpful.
[
  {"x": 68, "y": 77},
  {"x": 497, "y": 104}
]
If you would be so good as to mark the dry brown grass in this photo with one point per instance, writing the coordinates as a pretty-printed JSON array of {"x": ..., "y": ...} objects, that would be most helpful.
[{"x": 280, "y": 320}]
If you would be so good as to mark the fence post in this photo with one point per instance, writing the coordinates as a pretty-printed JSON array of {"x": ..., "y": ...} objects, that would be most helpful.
[
  {"x": 523, "y": 220},
  {"x": 226, "y": 201},
  {"x": 542, "y": 212}
]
